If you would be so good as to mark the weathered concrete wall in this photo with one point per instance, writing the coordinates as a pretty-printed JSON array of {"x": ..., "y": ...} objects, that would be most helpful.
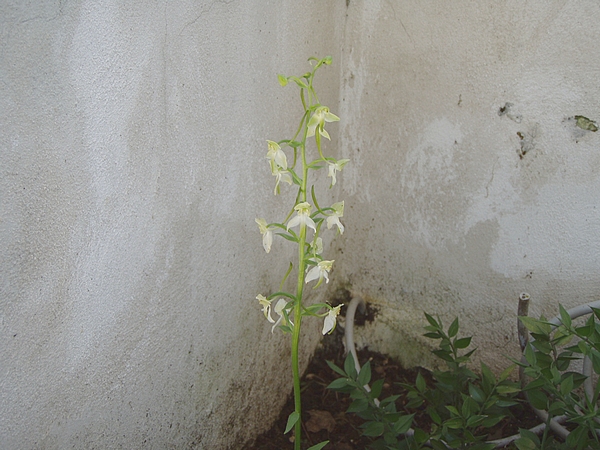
[
  {"x": 132, "y": 145},
  {"x": 132, "y": 148},
  {"x": 447, "y": 216}
]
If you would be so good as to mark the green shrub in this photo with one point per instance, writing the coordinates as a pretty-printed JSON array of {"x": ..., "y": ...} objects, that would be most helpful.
[{"x": 461, "y": 405}]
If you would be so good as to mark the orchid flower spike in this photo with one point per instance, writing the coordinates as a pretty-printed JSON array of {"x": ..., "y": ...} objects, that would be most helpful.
[
  {"x": 318, "y": 119},
  {"x": 331, "y": 319},
  {"x": 303, "y": 217},
  {"x": 267, "y": 234},
  {"x": 334, "y": 218},
  {"x": 320, "y": 271}
]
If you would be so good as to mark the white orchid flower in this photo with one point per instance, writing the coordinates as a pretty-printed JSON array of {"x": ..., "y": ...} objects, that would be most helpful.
[
  {"x": 335, "y": 167},
  {"x": 267, "y": 234},
  {"x": 330, "y": 319},
  {"x": 266, "y": 304},
  {"x": 318, "y": 119},
  {"x": 320, "y": 271},
  {"x": 280, "y": 175},
  {"x": 334, "y": 218},
  {"x": 303, "y": 217},
  {"x": 279, "y": 307},
  {"x": 276, "y": 156},
  {"x": 317, "y": 246}
]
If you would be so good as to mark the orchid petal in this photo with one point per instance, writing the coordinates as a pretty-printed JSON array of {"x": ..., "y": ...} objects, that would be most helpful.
[
  {"x": 330, "y": 319},
  {"x": 266, "y": 304}
]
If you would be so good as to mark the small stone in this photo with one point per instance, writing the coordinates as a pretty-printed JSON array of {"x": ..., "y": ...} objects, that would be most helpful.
[{"x": 320, "y": 420}]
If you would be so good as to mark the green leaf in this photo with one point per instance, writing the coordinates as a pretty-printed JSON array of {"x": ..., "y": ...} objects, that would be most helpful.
[
  {"x": 387, "y": 403},
  {"x": 556, "y": 408},
  {"x": 420, "y": 436},
  {"x": 435, "y": 417},
  {"x": 595, "y": 358},
  {"x": 403, "y": 424},
  {"x": 487, "y": 375},
  {"x": 476, "y": 393},
  {"x": 390, "y": 438},
  {"x": 455, "y": 423},
  {"x": 535, "y": 384},
  {"x": 453, "y": 410},
  {"x": 506, "y": 373},
  {"x": 538, "y": 399},
  {"x": 443, "y": 354},
  {"x": 578, "y": 438},
  {"x": 433, "y": 335},
  {"x": 506, "y": 404},
  {"x": 462, "y": 343},
  {"x": 535, "y": 325},
  {"x": 432, "y": 321},
  {"x": 530, "y": 356},
  {"x": 564, "y": 360},
  {"x": 420, "y": 383},
  {"x": 365, "y": 374},
  {"x": 489, "y": 422},
  {"x": 469, "y": 406},
  {"x": 475, "y": 420},
  {"x": 564, "y": 316},
  {"x": 319, "y": 446},
  {"x": 358, "y": 405},
  {"x": 467, "y": 355},
  {"x": 372, "y": 429},
  {"x": 529, "y": 435},
  {"x": 438, "y": 445},
  {"x": 587, "y": 329},
  {"x": 336, "y": 369},
  {"x": 340, "y": 383},
  {"x": 292, "y": 419},
  {"x": 414, "y": 402},
  {"x": 376, "y": 388},
  {"x": 349, "y": 366},
  {"x": 507, "y": 389},
  {"x": 543, "y": 346},
  {"x": 525, "y": 444},
  {"x": 453, "y": 329},
  {"x": 562, "y": 336},
  {"x": 596, "y": 312}
]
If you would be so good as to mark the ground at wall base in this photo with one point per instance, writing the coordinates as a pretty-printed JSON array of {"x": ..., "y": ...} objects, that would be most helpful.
[{"x": 324, "y": 411}]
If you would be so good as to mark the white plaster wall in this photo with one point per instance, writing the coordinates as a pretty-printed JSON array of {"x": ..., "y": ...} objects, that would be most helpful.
[
  {"x": 446, "y": 217},
  {"x": 132, "y": 168}
]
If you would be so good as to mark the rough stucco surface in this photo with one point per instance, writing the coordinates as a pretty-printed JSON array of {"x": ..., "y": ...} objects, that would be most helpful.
[
  {"x": 447, "y": 217},
  {"x": 133, "y": 143}
]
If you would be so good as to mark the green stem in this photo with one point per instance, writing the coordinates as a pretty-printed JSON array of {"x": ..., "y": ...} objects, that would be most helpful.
[
  {"x": 545, "y": 433},
  {"x": 296, "y": 337},
  {"x": 298, "y": 305},
  {"x": 296, "y": 340}
]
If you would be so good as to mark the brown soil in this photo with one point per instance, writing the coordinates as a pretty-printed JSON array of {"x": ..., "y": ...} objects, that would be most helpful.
[{"x": 324, "y": 411}]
